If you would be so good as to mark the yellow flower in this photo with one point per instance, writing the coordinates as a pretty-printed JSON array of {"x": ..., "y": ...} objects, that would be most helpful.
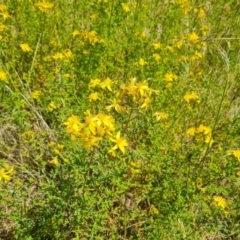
[
  {"x": 54, "y": 161},
  {"x": 3, "y": 76},
  {"x": 68, "y": 53},
  {"x": 157, "y": 45},
  {"x": 160, "y": 115},
  {"x": 204, "y": 129},
  {"x": 67, "y": 75},
  {"x": 60, "y": 146},
  {"x": 107, "y": 122},
  {"x": 94, "y": 82},
  {"x": 56, "y": 70},
  {"x": 236, "y": 153},
  {"x": 191, "y": 97},
  {"x": 141, "y": 87},
  {"x": 191, "y": 131},
  {"x": 91, "y": 122},
  {"x": 130, "y": 88},
  {"x": 107, "y": 84},
  {"x": 141, "y": 62},
  {"x": 170, "y": 48},
  {"x": 25, "y": 47},
  {"x": 56, "y": 151},
  {"x": 169, "y": 77},
  {"x": 118, "y": 108},
  {"x": 121, "y": 143},
  {"x": 209, "y": 140},
  {"x": 93, "y": 97},
  {"x": 44, "y": 6},
  {"x": 193, "y": 37},
  {"x": 58, "y": 55},
  {"x": 156, "y": 56},
  {"x": 52, "y": 106},
  {"x": 6, "y": 172},
  {"x": 198, "y": 55},
  {"x": 220, "y": 201},
  {"x": 4, "y": 175},
  {"x": 185, "y": 5},
  {"x": 202, "y": 13},
  {"x": 36, "y": 94},
  {"x": 93, "y": 37},
  {"x": 92, "y": 141},
  {"x": 146, "y": 103},
  {"x": 75, "y": 33},
  {"x": 126, "y": 7},
  {"x": 3, "y": 8},
  {"x": 73, "y": 125},
  {"x": 5, "y": 15}
]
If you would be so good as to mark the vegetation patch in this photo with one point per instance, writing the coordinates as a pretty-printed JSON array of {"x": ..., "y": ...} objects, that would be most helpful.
[{"x": 119, "y": 119}]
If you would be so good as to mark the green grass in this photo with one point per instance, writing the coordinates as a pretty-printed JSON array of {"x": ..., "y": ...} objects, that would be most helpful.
[{"x": 119, "y": 120}]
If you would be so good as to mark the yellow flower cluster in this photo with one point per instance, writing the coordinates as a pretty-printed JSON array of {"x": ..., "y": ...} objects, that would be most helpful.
[
  {"x": 169, "y": 78},
  {"x": 184, "y": 5},
  {"x": 93, "y": 129},
  {"x": 202, "y": 132},
  {"x": 66, "y": 55},
  {"x": 139, "y": 92},
  {"x": 88, "y": 36}
]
